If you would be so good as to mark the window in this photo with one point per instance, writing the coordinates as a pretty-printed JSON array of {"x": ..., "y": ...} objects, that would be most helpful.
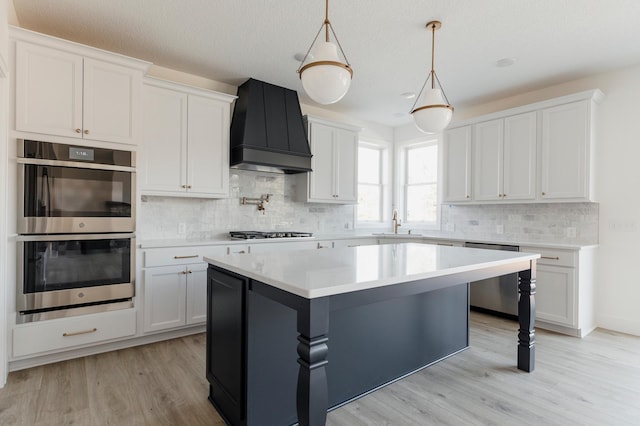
[
  {"x": 373, "y": 183},
  {"x": 418, "y": 197}
]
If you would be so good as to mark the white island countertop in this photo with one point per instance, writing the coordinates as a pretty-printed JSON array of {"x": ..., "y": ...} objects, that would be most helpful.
[{"x": 319, "y": 273}]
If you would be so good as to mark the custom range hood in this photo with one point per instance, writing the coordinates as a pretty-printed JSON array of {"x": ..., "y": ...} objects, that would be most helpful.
[{"x": 267, "y": 130}]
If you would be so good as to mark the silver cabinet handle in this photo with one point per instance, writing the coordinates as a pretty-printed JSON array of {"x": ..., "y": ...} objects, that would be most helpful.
[
  {"x": 550, "y": 257},
  {"x": 185, "y": 257},
  {"x": 75, "y": 333}
]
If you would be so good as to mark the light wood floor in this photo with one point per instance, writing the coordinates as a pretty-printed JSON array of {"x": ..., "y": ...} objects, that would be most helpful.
[{"x": 590, "y": 381}]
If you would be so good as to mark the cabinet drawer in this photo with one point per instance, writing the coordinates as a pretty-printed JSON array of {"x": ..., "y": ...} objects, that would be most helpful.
[
  {"x": 179, "y": 255},
  {"x": 554, "y": 257},
  {"x": 66, "y": 333}
]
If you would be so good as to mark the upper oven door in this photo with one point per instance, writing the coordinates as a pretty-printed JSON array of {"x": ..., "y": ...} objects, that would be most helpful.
[{"x": 59, "y": 197}]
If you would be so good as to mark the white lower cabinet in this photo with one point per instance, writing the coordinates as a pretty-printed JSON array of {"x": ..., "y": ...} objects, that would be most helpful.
[
  {"x": 56, "y": 335},
  {"x": 564, "y": 289},
  {"x": 175, "y": 286},
  {"x": 174, "y": 296}
]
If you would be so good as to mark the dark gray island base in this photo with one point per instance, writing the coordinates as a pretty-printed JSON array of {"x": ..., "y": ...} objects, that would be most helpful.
[{"x": 277, "y": 358}]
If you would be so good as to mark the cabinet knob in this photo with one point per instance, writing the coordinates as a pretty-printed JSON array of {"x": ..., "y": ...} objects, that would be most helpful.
[
  {"x": 184, "y": 186},
  {"x": 468, "y": 196},
  {"x": 188, "y": 186},
  {"x": 86, "y": 132},
  {"x": 78, "y": 131},
  {"x": 544, "y": 193}
]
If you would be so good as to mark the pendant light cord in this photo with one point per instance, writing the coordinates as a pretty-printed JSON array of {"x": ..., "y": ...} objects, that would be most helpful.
[
  {"x": 326, "y": 25},
  {"x": 433, "y": 54},
  {"x": 326, "y": 21},
  {"x": 432, "y": 74}
]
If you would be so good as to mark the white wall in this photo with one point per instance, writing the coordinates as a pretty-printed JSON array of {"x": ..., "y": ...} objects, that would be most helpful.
[{"x": 617, "y": 181}]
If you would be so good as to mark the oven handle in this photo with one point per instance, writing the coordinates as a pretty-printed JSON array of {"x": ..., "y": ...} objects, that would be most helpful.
[
  {"x": 75, "y": 164},
  {"x": 68, "y": 237}
]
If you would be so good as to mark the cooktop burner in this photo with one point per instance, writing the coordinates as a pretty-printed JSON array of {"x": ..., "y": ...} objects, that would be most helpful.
[{"x": 251, "y": 235}]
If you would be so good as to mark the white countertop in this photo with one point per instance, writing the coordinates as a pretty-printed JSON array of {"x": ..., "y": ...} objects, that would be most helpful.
[
  {"x": 319, "y": 273},
  {"x": 224, "y": 240}
]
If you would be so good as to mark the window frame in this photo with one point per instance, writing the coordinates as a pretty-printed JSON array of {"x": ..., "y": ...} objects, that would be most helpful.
[
  {"x": 401, "y": 178},
  {"x": 386, "y": 182}
]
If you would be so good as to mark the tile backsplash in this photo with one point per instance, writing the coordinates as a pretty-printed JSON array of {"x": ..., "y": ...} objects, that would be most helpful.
[
  {"x": 160, "y": 217},
  {"x": 560, "y": 223}
]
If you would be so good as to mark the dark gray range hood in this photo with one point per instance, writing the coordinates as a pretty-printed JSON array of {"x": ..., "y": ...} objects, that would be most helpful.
[{"x": 267, "y": 130}]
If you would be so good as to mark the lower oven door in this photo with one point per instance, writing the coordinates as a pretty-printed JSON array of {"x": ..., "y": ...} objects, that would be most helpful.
[{"x": 67, "y": 271}]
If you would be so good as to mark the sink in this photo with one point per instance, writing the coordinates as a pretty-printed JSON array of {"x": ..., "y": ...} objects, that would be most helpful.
[{"x": 391, "y": 234}]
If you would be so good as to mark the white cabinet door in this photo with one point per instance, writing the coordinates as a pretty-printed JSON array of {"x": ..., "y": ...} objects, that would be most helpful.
[
  {"x": 208, "y": 147},
  {"x": 48, "y": 91},
  {"x": 504, "y": 159},
  {"x": 164, "y": 151},
  {"x": 565, "y": 152},
  {"x": 186, "y": 142},
  {"x": 346, "y": 177},
  {"x": 196, "y": 294},
  {"x": 111, "y": 102},
  {"x": 164, "y": 297},
  {"x": 334, "y": 178},
  {"x": 488, "y": 160},
  {"x": 321, "y": 181},
  {"x": 519, "y": 157},
  {"x": 457, "y": 165},
  {"x": 556, "y": 295},
  {"x": 64, "y": 94}
]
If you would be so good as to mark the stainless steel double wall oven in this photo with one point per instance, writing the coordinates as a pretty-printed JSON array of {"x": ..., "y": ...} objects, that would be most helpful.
[{"x": 76, "y": 223}]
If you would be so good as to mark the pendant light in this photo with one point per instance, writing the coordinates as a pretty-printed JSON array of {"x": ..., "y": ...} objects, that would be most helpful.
[
  {"x": 327, "y": 79},
  {"x": 435, "y": 113}
]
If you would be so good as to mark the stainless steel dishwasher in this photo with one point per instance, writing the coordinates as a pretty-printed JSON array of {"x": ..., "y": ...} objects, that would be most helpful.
[{"x": 497, "y": 295}]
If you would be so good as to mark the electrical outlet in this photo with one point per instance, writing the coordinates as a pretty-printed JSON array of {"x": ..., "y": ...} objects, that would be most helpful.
[
  {"x": 571, "y": 232},
  {"x": 499, "y": 229},
  {"x": 182, "y": 228}
]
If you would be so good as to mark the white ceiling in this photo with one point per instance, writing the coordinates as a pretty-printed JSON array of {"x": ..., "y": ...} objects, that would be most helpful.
[{"x": 386, "y": 42}]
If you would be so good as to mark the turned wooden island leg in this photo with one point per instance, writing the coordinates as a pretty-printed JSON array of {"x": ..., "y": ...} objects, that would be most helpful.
[
  {"x": 312, "y": 393},
  {"x": 527, "y": 318}
]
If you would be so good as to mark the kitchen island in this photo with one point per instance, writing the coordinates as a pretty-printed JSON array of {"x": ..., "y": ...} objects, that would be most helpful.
[{"x": 291, "y": 335}]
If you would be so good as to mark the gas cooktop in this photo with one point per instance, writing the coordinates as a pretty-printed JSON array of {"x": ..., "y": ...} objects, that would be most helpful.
[{"x": 251, "y": 235}]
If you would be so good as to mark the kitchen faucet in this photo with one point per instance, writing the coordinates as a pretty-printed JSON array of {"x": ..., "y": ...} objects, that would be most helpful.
[{"x": 396, "y": 221}]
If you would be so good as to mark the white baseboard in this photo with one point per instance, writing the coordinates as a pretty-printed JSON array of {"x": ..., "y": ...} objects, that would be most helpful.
[{"x": 619, "y": 324}]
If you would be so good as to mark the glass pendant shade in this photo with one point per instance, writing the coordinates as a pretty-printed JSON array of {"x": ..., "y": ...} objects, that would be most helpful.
[
  {"x": 435, "y": 113},
  {"x": 326, "y": 80}
]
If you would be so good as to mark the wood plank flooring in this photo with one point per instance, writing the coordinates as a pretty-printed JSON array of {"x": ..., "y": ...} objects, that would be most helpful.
[{"x": 590, "y": 381}]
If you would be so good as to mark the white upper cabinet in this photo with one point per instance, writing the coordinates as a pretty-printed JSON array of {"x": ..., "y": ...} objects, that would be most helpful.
[
  {"x": 536, "y": 153},
  {"x": 186, "y": 141},
  {"x": 565, "y": 172},
  {"x": 334, "y": 178},
  {"x": 63, "y": 92},
  {"x": 504, "y": 153},
  {"x": 457, "y": 165}
]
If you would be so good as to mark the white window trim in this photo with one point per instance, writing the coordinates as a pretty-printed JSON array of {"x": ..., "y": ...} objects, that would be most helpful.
[
  {"x": 387, "y": 182},
  {"x": 400, "y": 178}
]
